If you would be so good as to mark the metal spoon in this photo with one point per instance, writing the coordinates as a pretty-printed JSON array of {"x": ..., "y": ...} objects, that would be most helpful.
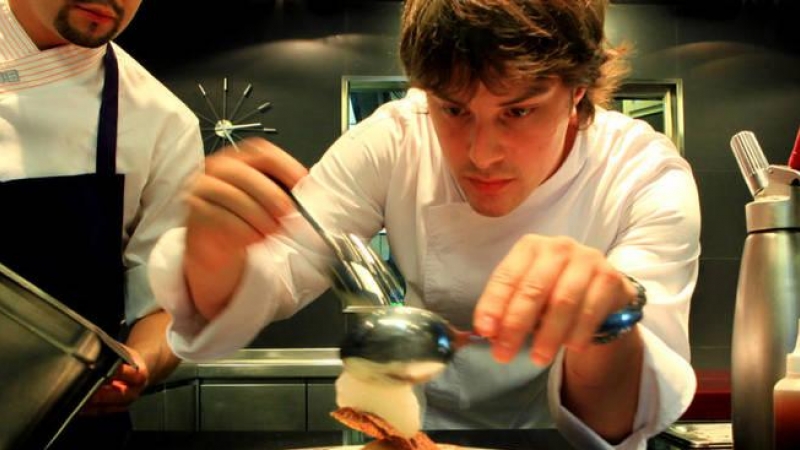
[
  {"x": 360, "y": 278},
  {"x": 406, "y": 334}
]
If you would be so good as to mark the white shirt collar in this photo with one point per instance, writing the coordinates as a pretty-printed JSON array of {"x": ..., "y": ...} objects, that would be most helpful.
[{"x": 23, "y": 65}]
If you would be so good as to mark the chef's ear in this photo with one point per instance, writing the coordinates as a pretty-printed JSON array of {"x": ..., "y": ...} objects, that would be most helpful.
[{"x": 577, "y": 95}]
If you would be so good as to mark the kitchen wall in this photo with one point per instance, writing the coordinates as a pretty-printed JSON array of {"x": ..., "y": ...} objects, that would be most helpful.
[{"x": 740, "y": 70}]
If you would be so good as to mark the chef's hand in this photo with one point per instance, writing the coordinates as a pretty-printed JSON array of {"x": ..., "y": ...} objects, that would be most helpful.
[
  {"x": 232, "y": 205},
  {"x": 553, "y": 288},
  {"x": 117, "y": 394}
]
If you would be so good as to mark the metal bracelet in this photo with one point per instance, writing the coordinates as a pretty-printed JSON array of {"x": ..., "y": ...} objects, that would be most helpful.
[{"x": 623, "y": 321}]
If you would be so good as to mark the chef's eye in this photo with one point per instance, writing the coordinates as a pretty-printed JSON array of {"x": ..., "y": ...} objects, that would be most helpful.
[
  {"x": 519, "y": 112},
  {"x": 453, "y": 111}
]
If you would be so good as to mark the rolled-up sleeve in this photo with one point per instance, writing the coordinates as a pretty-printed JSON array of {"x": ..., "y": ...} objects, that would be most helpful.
[{"x": 266, "y": 293}]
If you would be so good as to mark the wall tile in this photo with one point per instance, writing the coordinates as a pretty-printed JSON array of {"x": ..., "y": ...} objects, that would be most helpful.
[{"x": 723, "y": 196}]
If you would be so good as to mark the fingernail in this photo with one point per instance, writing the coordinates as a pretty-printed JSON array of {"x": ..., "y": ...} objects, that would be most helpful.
[
  {"x": 540, "y": 359},
  {"x": 502, "y": 352},
  {"x": 486, "y": 325}
]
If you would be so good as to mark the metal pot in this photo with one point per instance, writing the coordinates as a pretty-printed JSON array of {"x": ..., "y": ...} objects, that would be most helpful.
[{"x": 51, "y": 361}]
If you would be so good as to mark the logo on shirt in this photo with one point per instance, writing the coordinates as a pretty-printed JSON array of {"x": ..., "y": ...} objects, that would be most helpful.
[{"x": 9, "y": 76}]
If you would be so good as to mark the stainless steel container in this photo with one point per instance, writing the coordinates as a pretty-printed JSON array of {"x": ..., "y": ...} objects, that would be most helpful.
[
  {"x": 51, "y": 361},
  {"x": 768, "y": 293}
]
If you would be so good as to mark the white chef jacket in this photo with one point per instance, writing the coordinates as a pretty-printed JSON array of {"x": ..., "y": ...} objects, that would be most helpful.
[
  {"x": 49, "y": 106},
  {"x": 623, "y": 189}
]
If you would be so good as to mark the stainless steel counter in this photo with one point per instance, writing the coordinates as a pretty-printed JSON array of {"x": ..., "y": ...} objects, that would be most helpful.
[
  {"x": 251, "y": 390},
  {"x": 264, "y": 363}
]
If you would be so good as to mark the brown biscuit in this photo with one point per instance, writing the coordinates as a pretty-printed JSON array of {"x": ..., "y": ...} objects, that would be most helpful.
[{"x": 386, "y": 437}]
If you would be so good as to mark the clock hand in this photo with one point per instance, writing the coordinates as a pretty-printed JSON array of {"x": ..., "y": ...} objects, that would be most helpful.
[
  {"x": 230, "y": 139},
  {"x": 245, "y": 125},
  {"x": 260, "y": 109},
  {"x": 208, "y": 102},
  {"x": 245, "y": 94}
]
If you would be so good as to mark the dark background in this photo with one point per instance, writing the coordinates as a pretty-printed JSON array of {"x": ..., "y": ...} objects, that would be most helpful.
[{"x": 739, "y": 62}]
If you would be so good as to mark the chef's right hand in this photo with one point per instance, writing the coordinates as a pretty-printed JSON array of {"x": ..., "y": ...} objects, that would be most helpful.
[{"x": 232, "y": 205}]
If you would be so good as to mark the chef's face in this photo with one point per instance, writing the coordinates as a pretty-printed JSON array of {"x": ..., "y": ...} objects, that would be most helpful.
[
  {"x": 502, "y": 146},
  {"x": 88, "y": 23}
]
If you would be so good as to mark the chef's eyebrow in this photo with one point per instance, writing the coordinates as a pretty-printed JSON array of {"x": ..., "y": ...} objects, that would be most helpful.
[
  {"x": 535, "y": 90},
  {"x": 447, "y": 99}
]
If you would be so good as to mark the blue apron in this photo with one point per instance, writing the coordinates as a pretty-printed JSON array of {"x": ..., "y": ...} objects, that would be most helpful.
[{"x": 64, "y": 235}]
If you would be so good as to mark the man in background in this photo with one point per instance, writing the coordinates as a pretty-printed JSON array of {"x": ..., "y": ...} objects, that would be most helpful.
[{"x": 93, "y": 154}]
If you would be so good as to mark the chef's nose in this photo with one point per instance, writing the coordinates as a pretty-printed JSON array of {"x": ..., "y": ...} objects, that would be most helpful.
[{"x": 485, "y": 148}]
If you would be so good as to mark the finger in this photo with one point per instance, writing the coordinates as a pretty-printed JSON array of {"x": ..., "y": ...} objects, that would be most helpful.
[
  {"x": 255, "y": 174},
  {"x": 238, "y": 197},
  {"x": 119, "y": 394},
  {"x": 130, "y": 376},
  {"x": 492, "y": 304},
  {"x": 565, "y": 304},
  {"x": 112, "y": 392},
  {"x": 230, "y": 229},
  {"x": 272, "y": 160},
  {"x": 265, "y": 173},
  {"x": 532, "y": 296}
]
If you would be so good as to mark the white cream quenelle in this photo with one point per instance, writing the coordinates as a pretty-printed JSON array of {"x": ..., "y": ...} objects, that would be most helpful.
[
  {"x": 385, "y": 354},
  {"x": 377, "y": 389}
]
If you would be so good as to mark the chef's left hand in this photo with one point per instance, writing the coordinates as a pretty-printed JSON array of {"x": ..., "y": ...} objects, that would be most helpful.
[
  {"x": 117, "y": 394},
  {"x": 554, "y": 288}
]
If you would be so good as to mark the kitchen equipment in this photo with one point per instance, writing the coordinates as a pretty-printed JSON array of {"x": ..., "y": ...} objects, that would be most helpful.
[
  {"x": 406, "y": 334},
  {"x": 361, "y": 279},
  {"x": 52, "y": 360},
  {"x": 768, "y": 292}
]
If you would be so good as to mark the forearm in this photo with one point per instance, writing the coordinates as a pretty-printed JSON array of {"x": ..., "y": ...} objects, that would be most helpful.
[
  {"x": 601, "y": 385},
  {"x": 212, "y": 286},
  {"x": 148, "y": 338}
]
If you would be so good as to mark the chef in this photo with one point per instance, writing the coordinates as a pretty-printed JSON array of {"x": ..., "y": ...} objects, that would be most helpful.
[
  {"x": 93, "y": 153},
  {"x": 514, "y": 204}
]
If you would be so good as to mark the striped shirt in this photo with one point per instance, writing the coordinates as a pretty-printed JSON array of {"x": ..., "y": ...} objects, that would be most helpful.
[{"x": 23, "y": 65}]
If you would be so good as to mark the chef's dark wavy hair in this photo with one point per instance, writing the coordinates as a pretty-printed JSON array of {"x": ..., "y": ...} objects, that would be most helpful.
[{"x": 448, "y": 46}]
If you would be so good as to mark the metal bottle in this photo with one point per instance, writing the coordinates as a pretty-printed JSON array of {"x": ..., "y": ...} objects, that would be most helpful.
[{"x": 768, "y": 292}]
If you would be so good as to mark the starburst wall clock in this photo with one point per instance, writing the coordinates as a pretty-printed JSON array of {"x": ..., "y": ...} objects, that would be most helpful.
[{"x": 226, "y": 127}]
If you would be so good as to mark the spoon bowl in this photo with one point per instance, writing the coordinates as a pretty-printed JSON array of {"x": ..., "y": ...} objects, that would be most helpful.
[
  {"x": 400, "y": 333},
  {"x": 399, "y": 344}
]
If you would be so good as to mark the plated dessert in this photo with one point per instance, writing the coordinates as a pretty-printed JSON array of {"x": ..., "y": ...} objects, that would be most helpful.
[{"x": 379, "y": 401}]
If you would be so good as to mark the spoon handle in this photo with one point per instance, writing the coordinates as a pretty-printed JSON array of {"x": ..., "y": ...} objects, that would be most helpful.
[
  {"x": 309, "y": 218},
  {"x": 299, "y": 206},
  {"x": 615, "y": 325}
]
